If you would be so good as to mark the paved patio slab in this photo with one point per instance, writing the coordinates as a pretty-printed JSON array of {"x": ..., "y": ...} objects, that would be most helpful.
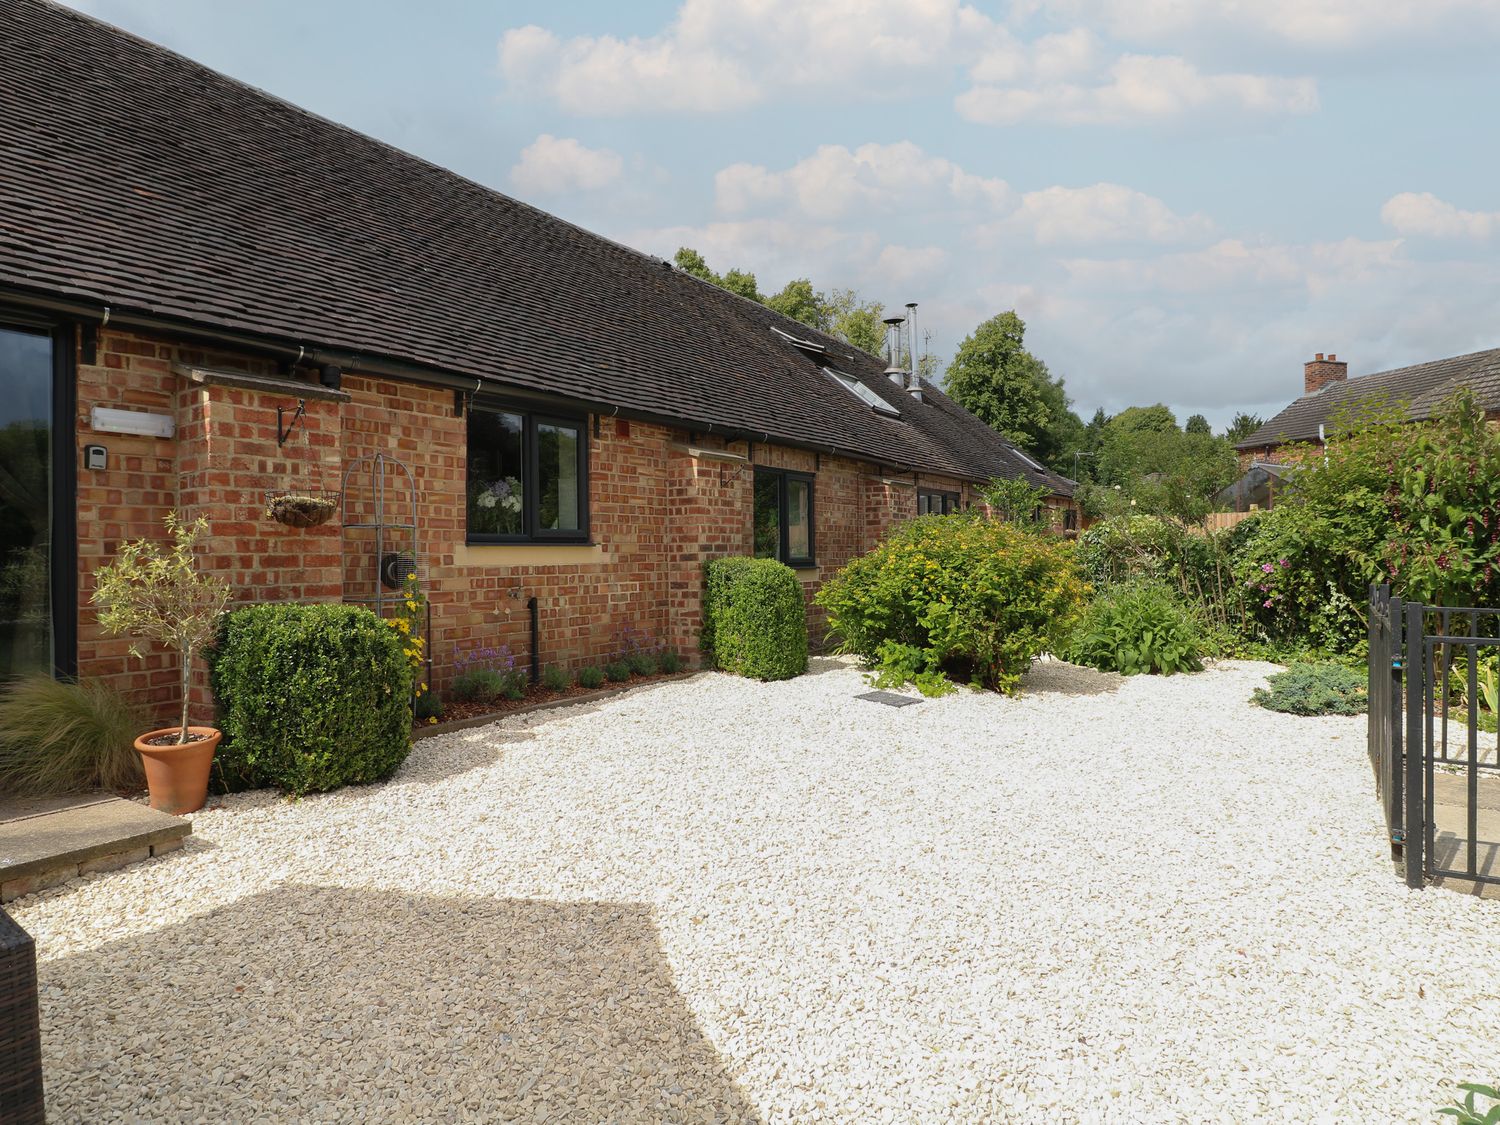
[
  {"x": 46, "y": 841},
  {"x": 1450, "y": 812}
]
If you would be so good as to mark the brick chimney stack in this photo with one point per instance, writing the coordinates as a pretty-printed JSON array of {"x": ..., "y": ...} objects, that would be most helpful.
[{"x": 1318, "y": 372}]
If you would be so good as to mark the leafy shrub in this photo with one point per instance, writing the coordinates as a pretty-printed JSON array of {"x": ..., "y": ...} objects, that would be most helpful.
[
  {"x": 428, "y": 707},
  {"x": 1469, "y": 1112},
  {"x": 311, "y": 697},
  {"x": 642, "y": 664},
  {"x": 478, "y": 685},
  {"x": 754, "y": 618},
  {"x": 1486, "y": 683},
  {"x": 487, "y": 675},
  {"x": 617, "y": 671},
  {"x": 555, "y": 678},
  {"x": 60, "y": 737},
  {"x": 1315, "y": 689},
  {"x": 978, "y": 598},
  {"x": 1129, "y": 548},
  {"x": 897, "y": 665},
  {"x": 590, "y": 677},
  {"x": 671, "y": 663},
  {"x": 629, "y": 643},
  {"x": 1138, "y": 627}
]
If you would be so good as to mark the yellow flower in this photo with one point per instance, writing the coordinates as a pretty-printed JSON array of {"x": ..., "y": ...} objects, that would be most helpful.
[{"x": 432, "y": 720}]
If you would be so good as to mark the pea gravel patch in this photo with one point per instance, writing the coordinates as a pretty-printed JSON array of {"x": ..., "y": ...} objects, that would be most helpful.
[{"x": 1134, "y": 900}]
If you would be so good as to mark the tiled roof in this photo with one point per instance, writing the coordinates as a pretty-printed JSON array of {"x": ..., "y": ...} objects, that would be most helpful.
[
  {"x": 133, "y": 177},
  {"x": 1422, "y": 387}
]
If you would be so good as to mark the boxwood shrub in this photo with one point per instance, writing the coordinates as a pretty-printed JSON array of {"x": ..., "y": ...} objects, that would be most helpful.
[
  {"x": 754, "y": 618},
  {"x": 311, "y": 697},
  {"x": 957, "y": 597}
]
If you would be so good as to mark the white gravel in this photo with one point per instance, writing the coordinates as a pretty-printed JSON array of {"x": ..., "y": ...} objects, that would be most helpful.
[{"x": 717, "y": 900}]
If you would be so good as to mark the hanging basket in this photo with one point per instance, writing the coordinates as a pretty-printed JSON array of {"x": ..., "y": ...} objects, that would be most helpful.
[{"x": 302, "y": 508}]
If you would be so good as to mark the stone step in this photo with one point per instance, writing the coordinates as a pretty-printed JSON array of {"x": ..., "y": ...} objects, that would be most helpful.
[{"x": 46, "y": 841}]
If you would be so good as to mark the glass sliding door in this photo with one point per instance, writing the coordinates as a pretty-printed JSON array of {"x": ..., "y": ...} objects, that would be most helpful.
[{"x": 26, "y": 502}]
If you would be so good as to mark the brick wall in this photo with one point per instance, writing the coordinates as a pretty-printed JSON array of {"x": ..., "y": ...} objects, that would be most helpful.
[{"x": 660, "y": 505}]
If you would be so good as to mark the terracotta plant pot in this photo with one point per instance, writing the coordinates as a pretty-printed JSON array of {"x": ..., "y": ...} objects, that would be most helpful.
[{"x": 177, "y": 776}]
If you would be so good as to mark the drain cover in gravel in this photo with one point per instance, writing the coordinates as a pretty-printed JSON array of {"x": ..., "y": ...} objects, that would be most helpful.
[{"x": 889, "y": 698}]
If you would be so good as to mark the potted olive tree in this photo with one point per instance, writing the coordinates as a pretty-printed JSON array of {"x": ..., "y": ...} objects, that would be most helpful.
[{"x": 157, "y": 593}]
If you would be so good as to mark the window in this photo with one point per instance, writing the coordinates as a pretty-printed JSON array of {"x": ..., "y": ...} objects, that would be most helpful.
[
  {"x": 862, "y": 392},
  {"x": 784, "y": 516},
  {"x": 936, "y": 503},
  {"x": 527, "y": 477}
]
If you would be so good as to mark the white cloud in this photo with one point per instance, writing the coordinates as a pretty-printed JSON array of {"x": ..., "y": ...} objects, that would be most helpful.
[
  {"x": 900, "y": 186},
  {"x": 905, "y": 266},
  {"x": 1414, "y": 213},
  {"x": 836, "y": 181},
  {"x": 551, "y": 165},
  {"x": 1138, "y": 88},
  {"x": 1233, "y": 265},
  {"x": 719, "y": 55},
  {"x": 730, "y": 54},
  {"x": 614, "y": 76},
  {"x": 1320, "y": 24},
  {"x": 1100, "y": 213},
  {"x": 775, "y": 250}
]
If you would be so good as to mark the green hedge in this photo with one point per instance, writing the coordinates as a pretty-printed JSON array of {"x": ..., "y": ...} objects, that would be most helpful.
[
  {"x": 754, "y": 618},
  {"x": 311, "y": 697}
]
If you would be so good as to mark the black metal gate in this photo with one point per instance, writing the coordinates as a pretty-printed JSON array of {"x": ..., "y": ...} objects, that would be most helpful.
[{"x": 1430, "y": 668}]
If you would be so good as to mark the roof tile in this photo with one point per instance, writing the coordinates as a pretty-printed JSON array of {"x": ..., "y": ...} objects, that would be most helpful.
[{"x": 137, "y": 178}]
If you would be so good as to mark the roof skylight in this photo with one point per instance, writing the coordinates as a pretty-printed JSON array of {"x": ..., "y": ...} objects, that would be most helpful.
[{"x": 862, "y": 392}]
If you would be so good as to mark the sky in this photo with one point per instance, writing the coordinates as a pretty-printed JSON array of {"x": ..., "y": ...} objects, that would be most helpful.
[{"x": 1183, "y": 200}]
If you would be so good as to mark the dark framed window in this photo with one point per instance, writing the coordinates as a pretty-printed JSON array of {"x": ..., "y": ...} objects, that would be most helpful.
[
  {"x": 933, "y": 503},
  {"x": 527, "y": 477},
  {"x": 784, "y": 516},
  {"x": 38, "y": 524}
]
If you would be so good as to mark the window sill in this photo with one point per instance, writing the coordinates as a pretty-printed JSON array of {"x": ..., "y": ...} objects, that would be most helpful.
[{"x": 528, "y": 554}]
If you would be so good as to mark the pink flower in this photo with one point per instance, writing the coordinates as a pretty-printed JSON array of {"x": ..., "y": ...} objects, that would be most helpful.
[
  {"x": 1266, "y": 603},
  {"x": 1266, "y": 567},
  {"x": 1285, "y": 564}
]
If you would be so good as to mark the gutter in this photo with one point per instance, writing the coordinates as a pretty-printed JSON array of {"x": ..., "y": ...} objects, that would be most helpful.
[{"x": 100, "y": 313}]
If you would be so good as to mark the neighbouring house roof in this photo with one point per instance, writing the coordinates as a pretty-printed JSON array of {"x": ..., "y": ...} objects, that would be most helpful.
[
  {"x": 1255, "y": 487},
  {"x": 1422, "y": 387},
  {"x": 138, "y": 179}
]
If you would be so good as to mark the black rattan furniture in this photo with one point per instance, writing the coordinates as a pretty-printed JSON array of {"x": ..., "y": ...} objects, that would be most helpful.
[{"x": 20, "y": 1028}]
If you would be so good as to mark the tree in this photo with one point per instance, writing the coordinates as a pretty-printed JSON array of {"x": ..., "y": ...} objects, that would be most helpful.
[
  {"x": 799, "y": 301},
  {"x": 1156, "y": 419},
  {"x": 743, "y": 283},
  {"x": 1160, "y": 469},
  {"x": 1019, "y": 502},
  {"x": 1242, "y": 427},
  {"x": 854, "y": 320},
  {"x": 997, "y": 380},
  {"x": 1197, "y": 424},
  {"x": 690, "y": 261},
  {"x": 841, "y": 312}
]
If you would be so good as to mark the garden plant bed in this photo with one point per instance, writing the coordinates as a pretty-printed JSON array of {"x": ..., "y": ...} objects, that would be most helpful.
[
  {"x": 462, "y": 716},
  {"x": 1105, "y": 900}
]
